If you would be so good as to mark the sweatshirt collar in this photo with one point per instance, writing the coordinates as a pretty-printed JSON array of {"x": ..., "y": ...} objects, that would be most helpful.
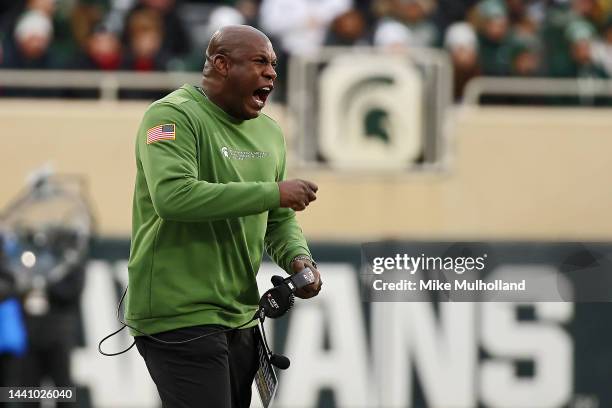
[{"x": 199, "y": 94}]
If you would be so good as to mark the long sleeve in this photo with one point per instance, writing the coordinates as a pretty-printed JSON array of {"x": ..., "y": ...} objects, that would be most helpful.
[
  {"x": 171, "y": 171},
  {"x": 206, "y": 186},
  {"x": 284, "y": 238}
]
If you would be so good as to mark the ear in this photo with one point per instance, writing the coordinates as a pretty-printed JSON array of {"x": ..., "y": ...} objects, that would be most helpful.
[{"x": 221, "y": 64}]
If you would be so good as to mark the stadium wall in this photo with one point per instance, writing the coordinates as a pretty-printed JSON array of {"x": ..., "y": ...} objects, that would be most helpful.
[{"x": 510, "y": 173}]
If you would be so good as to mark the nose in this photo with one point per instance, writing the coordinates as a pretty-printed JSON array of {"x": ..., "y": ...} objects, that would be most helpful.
[{"x": 270, "y": 72}]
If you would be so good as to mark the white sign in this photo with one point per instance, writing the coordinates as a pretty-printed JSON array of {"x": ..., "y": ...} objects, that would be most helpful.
[
  {"x": 441, "y": 347},
  {"x": 386, "y": 87}
]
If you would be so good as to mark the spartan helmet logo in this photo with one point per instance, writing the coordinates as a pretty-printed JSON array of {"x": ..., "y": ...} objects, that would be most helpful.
[
  {"x": 370, "y": 112},
  {"x": 225, "y": 151}
]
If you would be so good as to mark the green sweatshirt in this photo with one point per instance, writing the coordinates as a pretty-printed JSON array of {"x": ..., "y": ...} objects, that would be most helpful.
[{"x": 206, "y": 205}]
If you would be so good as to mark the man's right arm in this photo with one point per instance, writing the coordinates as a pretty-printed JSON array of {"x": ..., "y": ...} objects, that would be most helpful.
[{"x": 171, "y": 172}]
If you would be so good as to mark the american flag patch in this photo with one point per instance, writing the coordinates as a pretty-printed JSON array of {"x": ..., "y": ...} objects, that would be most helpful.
[{"x": 161, "y": 132}]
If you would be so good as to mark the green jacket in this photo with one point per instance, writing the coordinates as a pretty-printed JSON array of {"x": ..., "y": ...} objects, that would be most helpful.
[{"x": 206, "y": 205}]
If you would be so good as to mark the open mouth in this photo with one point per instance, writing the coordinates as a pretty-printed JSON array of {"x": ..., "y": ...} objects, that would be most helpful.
[{"x": 261, "y": 95}]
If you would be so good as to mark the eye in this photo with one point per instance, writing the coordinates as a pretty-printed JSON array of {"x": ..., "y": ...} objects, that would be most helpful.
[{"x": 274, "y": 64}]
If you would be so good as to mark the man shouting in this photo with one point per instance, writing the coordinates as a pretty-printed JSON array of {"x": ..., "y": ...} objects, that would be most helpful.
[{"x": 210, "y": 196}]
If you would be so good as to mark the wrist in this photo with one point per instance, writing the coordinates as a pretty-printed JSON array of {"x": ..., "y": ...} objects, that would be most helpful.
[{"x": 304, "y": 258}]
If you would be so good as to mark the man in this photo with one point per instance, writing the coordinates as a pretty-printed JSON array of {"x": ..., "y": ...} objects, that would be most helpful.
[
  {"x": 494, "y": 34},
  {"x": 210, "y": 195}
]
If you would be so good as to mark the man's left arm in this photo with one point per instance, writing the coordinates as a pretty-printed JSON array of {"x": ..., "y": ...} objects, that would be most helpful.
[{"x": 286, "y": 244}]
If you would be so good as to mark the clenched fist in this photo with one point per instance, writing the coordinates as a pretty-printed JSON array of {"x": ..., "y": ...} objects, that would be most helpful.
[
  {"x": 297, "y": 194},
  {"x": 314, "y": 288}
]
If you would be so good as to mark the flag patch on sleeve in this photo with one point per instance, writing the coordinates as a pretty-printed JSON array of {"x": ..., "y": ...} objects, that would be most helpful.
[{"x": 161, "y": 132}]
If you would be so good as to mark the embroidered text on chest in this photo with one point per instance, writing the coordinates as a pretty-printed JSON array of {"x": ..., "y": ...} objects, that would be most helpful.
[{"x": 233, "y": 154}]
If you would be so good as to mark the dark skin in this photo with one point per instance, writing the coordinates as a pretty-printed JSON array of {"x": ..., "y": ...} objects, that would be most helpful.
[
  {"x": 238, "y": 75},
  {"x": 239, "y": 60}
]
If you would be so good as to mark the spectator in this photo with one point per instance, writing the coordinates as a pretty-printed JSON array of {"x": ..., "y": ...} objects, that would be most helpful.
[
  {"x": 580, "y": 35},
  {"x": 556, "y": 47},
  {"x": 84, "y": 18},
  {"x": 513, "y": 37},
  {"x": 520, "y": 18},
  {"x": 300, "y": 25},
  {"x": 223, "y": 16},
  {"x": 12, "y": 13},
  {"x": 348, "y": 29},
  {"x": 602, "y": 48},
  {"x": 408, "y": 25},
  {"x": 249, "y": 9},
  {"x": 462, "y": 44},
  {"x": 103, "y": 51},
  {"x": 63, "y": 46},
  {"x": 493, "y": 37},
  {"x": 382, "y": 8},
  {"x": 29, "y": 48},
  {"x": 145, "y": 33},
  {"x": 217, "y": 17},
  {"x": 525, "y": 55},
  {"x": 46, "y": 6},
  {"x": 176, "y": 41},
  {"x": 451, "y": 11},
  {"x": 589, "y": 10}
]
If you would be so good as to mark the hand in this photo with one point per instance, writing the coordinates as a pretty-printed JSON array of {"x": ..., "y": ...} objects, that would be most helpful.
[
  {"x": 297, "y": 194},
  {"x": 314, "y": 288}
]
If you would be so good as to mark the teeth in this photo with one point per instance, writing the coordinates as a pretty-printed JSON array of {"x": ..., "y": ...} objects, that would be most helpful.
[{"x": 267, "y": 88}]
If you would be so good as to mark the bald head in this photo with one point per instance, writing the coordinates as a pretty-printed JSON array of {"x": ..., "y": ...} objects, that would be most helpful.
[
  {"x": 232, "y": 38},
  {"x": 239, "y": 71}
]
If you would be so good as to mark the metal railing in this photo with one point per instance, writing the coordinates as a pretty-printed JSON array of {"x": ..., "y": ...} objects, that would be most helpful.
[
  {"x": 588, "y": 88},
  {"x": 108, "y": 83}
]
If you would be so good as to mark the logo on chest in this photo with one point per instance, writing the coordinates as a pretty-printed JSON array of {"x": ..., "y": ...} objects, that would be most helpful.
[{"x": 233, "y": 154}]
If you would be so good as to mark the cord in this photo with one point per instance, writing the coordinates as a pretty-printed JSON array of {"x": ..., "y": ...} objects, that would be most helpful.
[
  {"x": 155, "y": 338},
  {"x": 263, "y": 332}
]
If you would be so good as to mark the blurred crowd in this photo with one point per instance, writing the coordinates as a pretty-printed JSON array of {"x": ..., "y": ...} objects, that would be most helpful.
[{"x": 553, "y": 38}]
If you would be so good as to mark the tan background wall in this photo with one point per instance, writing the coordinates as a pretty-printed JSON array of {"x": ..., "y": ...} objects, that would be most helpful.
[{"x": 513, "y": 174}]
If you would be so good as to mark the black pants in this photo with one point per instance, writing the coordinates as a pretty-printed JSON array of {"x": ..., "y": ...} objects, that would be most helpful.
[{"x": 215, "y": 371}]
